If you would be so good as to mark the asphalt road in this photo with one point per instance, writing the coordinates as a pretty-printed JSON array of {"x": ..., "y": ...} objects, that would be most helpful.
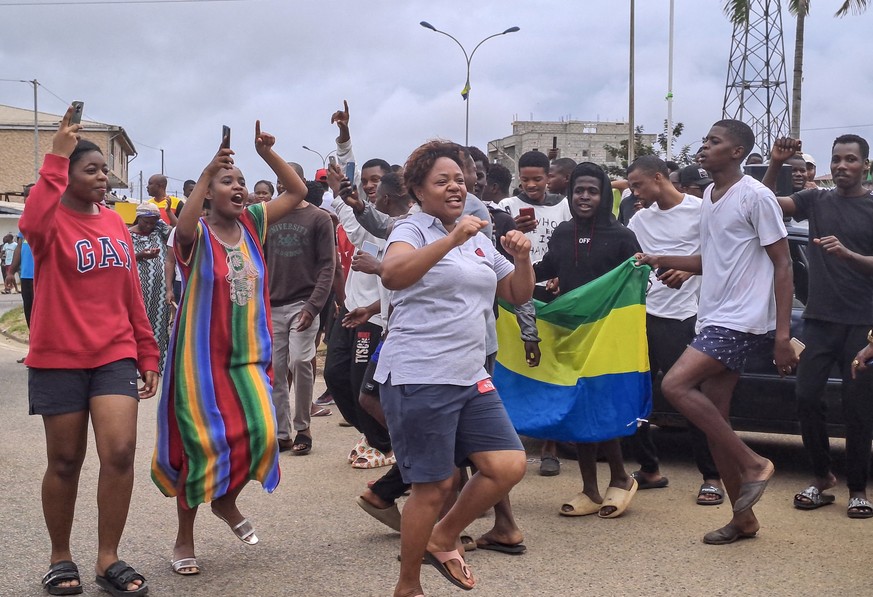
[{"x": 315, "y": 541}]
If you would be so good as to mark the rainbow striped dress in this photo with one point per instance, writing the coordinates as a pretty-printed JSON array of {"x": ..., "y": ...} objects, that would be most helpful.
[{"x": 216, "y": 422}]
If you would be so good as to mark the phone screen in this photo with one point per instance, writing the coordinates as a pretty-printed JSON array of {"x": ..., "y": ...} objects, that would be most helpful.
[
  {"x": 371, "y": 248},
  {"x": 350, "y": 171},
  {"x": 78, "y": 108},
  {"x": 225, "y": 137}
]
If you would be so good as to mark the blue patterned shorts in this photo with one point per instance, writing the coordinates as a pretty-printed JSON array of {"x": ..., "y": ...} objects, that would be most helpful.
[{"x": 730, "y": 347}]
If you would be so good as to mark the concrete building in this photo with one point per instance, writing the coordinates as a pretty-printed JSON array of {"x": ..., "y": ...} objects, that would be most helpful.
[
  {"x": 581, "y": 140},
  {"x": 17, "y": 148}
]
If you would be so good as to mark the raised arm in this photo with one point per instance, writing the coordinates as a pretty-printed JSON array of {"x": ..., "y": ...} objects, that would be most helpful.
[
  {"x": 295, "y": 188},
  {"x": 186, "y": 228},
  {"x": 341, "y": 119},
  {"x": 783, "y": 149},
  {"x": 37, "y": 221}
]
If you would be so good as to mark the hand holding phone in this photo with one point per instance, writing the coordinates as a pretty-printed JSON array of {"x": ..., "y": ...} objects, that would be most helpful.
[
  {"x": 370, "y": 248},
  {"x": 526, "y": 220},
  {"x": 798, "y": 346}
]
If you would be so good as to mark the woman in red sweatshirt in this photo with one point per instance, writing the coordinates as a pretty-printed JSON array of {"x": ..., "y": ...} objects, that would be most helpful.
[{"x": 89, "y": 337}]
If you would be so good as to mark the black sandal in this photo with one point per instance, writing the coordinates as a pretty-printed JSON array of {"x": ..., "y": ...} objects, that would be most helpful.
[
  {"x": 63, "y": 571},
  {"x": 118, "y": 576},
  {"x": 302, "y": 440}
]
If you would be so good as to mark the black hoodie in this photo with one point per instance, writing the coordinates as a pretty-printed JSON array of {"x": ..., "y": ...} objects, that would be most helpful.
[{"x": 581, "y": 250}]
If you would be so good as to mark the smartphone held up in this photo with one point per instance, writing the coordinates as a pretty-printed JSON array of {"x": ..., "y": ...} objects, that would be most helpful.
[{"x": 78, "y": 109}]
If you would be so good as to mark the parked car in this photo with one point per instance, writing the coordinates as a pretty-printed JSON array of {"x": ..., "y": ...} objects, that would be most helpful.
[{"x": 763, "y": 401}]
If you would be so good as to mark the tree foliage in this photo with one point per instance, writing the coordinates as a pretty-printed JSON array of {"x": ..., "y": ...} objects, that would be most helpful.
[{"x": 619, "y": 153}]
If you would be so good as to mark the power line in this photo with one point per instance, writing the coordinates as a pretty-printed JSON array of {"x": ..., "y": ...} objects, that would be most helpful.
[
  {"x": 97, "y": 2},
  {"x": 833, "y": 128},
  {"x": 52, "y": 93}
]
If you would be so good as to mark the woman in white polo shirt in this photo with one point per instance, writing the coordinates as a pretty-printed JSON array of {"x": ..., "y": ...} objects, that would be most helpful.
[{"x": 441, "y": 407}]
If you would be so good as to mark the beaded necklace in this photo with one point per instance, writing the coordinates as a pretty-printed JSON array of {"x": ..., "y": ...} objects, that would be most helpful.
[{"x": 241, "y": 272}]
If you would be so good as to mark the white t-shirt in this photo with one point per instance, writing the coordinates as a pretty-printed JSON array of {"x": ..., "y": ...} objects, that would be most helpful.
[
  {"x": 170, "y": 240},
  {"x": 675, "y": 231},
  {"x": 737, "y": 289},
  {"x": 8, "y": 252},
  {"x": 548, "y": 218},
  {"x": 362, "y": 289}
]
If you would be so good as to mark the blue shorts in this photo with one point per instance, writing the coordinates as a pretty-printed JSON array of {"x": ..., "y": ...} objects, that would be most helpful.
[
  {"x": 730, "y": 347},
  {"x": 62, "y": 391},
  {"x": 435, "y": 428}
]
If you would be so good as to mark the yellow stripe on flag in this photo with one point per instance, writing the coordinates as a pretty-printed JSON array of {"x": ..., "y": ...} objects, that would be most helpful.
[{"x": 614, "y": 344}]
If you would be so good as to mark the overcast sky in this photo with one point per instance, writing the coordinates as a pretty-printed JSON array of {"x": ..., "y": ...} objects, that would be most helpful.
[{"x": 172, "y": 73}]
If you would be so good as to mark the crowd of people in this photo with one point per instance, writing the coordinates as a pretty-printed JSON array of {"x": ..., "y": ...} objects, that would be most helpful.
[{"x": 226, "y": 296}]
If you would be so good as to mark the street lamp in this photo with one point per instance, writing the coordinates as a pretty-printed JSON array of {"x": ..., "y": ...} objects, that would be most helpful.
[
  {"x": 466, "y": 92},
  {"x": 323, "y": 158}
]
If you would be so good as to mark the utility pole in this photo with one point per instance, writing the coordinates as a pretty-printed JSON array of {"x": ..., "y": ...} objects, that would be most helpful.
[
  {"x": 631, "y": 136},
  {"x": 35, "y": 131}
]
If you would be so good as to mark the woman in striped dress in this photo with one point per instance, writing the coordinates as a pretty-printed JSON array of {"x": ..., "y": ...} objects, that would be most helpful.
[{"x": 216, "y": 423}]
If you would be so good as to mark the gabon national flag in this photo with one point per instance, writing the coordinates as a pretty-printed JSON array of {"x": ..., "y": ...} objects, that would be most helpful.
[{"x": 593, "y": 381}]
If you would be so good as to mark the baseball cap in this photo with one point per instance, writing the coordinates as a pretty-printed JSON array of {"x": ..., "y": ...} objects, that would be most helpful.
[
  {"x": 808, "y": 159},
  {"x": 321, "y": 175},
  {"x": 694, "y": 176}
]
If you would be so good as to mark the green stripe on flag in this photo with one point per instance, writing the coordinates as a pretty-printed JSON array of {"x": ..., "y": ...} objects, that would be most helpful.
[{"x": 622, "y": 287}]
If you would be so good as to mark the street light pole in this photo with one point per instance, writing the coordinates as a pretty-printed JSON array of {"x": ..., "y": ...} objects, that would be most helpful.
[
  {"x": 670, "y": 88},
  {"x": 469, "y": 58},
  {"x": 323, "y": 158}
]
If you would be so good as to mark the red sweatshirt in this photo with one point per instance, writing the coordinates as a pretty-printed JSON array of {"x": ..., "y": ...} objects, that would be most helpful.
[{"x": 88, "y": 309}]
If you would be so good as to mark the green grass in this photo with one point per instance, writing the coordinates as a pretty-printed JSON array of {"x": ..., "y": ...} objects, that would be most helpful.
[{"x": 13, "y": 323}]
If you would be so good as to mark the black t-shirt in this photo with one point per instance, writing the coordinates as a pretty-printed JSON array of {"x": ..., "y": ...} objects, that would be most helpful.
[{"x": 837, "y": 292}]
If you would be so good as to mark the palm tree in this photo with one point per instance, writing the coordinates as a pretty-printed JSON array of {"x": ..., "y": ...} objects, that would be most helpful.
[{"x": 738, "y": 12}]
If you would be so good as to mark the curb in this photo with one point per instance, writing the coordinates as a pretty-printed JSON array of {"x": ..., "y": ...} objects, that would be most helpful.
[{"x": 14, "y": 338}]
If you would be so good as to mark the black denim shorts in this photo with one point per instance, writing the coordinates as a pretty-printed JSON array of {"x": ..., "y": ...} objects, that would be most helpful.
[{"x": 61, "y": 391}]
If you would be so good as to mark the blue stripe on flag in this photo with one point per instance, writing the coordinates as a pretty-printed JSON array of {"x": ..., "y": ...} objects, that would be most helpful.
[{"x": 595, "y": 409}]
